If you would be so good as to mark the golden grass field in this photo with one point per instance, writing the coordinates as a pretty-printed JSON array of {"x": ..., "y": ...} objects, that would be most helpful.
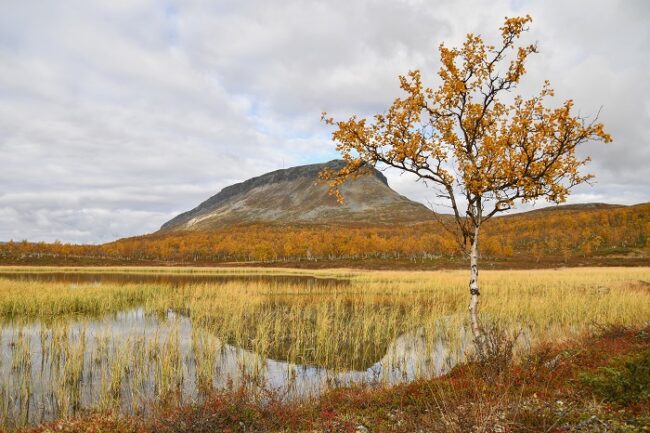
[{"x": 340, "y": 327}]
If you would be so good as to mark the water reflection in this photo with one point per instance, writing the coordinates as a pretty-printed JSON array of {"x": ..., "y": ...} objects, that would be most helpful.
[
  {"x": 174, "y": 279},
  {"x": 132, "y": 358}
]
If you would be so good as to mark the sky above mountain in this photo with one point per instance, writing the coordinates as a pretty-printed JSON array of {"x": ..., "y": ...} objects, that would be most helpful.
[{"x": 116, "y": 115}]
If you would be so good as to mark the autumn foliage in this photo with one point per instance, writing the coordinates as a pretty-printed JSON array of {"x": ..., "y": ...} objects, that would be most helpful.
[
  {"x": 542, "y": 234},
  {"x": 478, "y": 146}
]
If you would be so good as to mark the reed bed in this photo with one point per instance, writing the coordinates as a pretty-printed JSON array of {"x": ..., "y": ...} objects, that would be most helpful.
[
  {"x": 65, "y": 347},
  {"x": 327, "y": 273}
]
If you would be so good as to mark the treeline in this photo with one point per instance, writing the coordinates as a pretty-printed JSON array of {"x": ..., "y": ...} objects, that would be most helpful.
[{"x": 557, "y": 233}]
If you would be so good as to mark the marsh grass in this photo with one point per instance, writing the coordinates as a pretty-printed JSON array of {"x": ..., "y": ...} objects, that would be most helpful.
[{"x": 340, "y": 328}]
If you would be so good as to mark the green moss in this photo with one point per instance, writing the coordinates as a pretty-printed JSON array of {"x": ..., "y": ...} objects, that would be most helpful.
[{"x": 626, "y": 380}]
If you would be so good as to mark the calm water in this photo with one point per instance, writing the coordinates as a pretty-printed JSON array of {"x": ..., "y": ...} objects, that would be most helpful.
[
  {"x": 122, "y": 358},
  {"x": 133, "y": 359},
  {"x": 169, "y": 278}
]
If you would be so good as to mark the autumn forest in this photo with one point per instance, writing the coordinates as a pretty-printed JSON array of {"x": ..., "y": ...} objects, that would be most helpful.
[{"x": 551, "y": 234}]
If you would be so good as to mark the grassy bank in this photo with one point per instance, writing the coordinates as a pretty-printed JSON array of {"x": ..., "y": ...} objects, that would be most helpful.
[
  {"x": 375, "y": 318},
  {"x": 287, "y": 319}
]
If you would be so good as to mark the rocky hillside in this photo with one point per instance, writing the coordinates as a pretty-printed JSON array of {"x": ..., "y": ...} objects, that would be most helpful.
[{"x": 296, "y": 195}]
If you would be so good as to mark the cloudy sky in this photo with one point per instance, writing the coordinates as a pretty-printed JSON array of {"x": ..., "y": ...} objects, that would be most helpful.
[{"x": 115, "y": 115}]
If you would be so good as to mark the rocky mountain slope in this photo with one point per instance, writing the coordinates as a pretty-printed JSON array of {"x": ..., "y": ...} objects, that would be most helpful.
[{"x": 296, "y": 195}]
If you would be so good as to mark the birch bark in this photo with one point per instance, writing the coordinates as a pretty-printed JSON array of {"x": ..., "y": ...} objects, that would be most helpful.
[{"x": 473, "y": 286}]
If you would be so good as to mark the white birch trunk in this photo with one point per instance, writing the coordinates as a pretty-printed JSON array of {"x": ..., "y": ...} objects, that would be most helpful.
[{"x": 473, "y": 287}]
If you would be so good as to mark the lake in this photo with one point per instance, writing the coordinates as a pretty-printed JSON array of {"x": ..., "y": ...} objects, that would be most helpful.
[
  {"x": 170, "y": 278},
  {"x": 132, "y": 359},
  {"x": 139, "y": 357}
]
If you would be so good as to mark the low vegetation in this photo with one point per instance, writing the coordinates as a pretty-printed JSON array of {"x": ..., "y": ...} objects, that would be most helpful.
[
  {"x": 369, "y": 319},
  {"x": 625, "y": 381}
]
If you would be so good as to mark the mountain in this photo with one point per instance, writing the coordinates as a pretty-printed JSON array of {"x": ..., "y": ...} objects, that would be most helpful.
[
  {"x": 296, "y": 195},
  {"x": 579, "y": 207}
]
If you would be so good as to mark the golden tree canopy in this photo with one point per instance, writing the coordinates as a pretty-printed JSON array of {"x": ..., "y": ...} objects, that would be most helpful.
[{"x": 464, "y": 138}]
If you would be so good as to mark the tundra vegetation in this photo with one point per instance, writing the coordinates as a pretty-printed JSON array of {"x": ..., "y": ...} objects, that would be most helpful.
[{"x": 330, "y": 327}]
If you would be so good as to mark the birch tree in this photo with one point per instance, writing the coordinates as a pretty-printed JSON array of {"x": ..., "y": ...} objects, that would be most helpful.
[{"x": 479, "y": 144}]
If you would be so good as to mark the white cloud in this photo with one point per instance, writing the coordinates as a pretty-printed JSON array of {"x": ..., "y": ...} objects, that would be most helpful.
[{"x": 115, "y": 115}]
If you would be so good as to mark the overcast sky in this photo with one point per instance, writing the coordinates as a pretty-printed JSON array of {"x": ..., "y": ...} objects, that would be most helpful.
[{"x": 115, "y": 115}]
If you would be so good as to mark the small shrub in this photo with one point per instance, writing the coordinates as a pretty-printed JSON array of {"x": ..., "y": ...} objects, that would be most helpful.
[
  {"x": 625, "y": 381},
  {"x": 611, "y": 330},
  {"x": 494, "y": 352}
]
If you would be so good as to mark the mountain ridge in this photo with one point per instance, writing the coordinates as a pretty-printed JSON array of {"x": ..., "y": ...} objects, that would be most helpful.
[{"x": 295, "y": 194}]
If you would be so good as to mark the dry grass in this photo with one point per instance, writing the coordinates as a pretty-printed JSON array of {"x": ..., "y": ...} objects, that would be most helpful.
[{"x": 344, "y": 327}]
